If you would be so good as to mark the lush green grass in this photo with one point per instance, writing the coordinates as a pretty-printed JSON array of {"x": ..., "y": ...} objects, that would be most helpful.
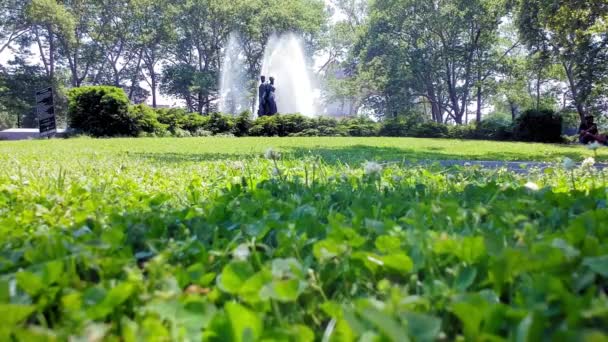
[
  {"x": 331, "y": 149},
  {"x": 206, "y": 239}
]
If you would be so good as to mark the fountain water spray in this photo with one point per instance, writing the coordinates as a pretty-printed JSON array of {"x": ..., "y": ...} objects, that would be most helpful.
[
  {"x": 234, "y": 95},
  {"x": 284, "y": 59}
]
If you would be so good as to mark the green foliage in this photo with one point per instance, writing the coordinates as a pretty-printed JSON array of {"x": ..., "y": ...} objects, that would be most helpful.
[
  {"x": 430, "y": 130},
  {"x": 146, "y": 120},
  {"x": 572, "y": 33},
  {"x": 193, "y": 122},
  {"x": 52, "y": 15},
  {"x": 361, "y": 127},
  {"x": 264, "y": 126},
  {"x": 539, "y": 126},
  {"x": 219, "y": 123},
  {"x": 18, "y": 81},
  {"x": 174, "y": 118},
  {"x": 101, "y": 111},
  {"x": 242, "y": 124},
  {"x": 495, "y": 127},
  {"x": 205, "y": 239},
  {"x": 398, "y": 127}
]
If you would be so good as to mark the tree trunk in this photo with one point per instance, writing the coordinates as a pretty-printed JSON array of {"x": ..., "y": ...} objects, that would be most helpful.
[
  {"x": 580, "y": 107},
  {"x": 135, "y": 75},
  {"x": 513, "y": 111},
  {"x": 51, "y": 54},
  {"x": 478, "y": 114},
  {"x": 538, "y": 78},
  {"x": 153, "y": 86}
]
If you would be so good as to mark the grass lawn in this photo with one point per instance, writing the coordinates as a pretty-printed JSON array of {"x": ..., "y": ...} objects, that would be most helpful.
[
  {"x": 206, "y": 239},
  {"x": 351, "y": 150}
]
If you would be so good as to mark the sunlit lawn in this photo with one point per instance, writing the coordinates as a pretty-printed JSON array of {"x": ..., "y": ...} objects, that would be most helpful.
[{"x": 331, "y": 149}]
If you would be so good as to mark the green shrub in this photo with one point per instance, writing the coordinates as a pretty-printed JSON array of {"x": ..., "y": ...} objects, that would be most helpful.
[
  {"x": 201, "y": 132},
  {"x": 462, "y": 131},
  {"x": 291, "y": 123},
  {"x": 430, "y": 129},
  {"x": 264, "y": 126},
  {"x": 218, "y": 123},
  {"x": 181, "y": 133},
  {"x": 100, "y": 111},
  {"x": 361, "y": 128},
  {"x": 328, "y": 127},
  {"x": 193, "y": 122},
  {"x": 174, "y": 118},
  {"x": 495, "y": 127},
  {"x": 539, "y": 126},
  {"x": 323, "y": 121},
  {"x": 242, "y": 124},
  {"x": 399, "y": 127},
  {"x": 309, "y": 132},
  {"x": 146, "y": 120}
]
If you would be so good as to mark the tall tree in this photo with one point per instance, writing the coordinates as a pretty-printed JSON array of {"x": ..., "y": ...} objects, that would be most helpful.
[
  {"x": 575, "y": 34},
  {"x": 203, "y": 27},
  {"x": 345, "y": 83},
  {"x": 50, "y": 22},
  {"x": 153, "y": 29},
  {"x": 17, "y": 80},
  {"x": 434, "y": 48},
  {"x": 13, "y": 24}
]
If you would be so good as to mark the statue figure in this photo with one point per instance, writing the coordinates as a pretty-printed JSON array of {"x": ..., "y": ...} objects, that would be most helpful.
[
  {"x": 262, "y": 97},
  {"x": 270, "y": 98},
  {"x": 267, "y": 102}
]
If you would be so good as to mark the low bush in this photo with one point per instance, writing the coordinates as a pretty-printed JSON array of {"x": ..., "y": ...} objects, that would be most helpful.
[
  {"x": 218, "y": 123},
  {"x": 399, "y": 127},
  {"x": 105, "y": 111},
  {"x": 193, "y": 122},
  {"x": 538, "y": 126},
  {"x": 201, "y": 132},
  {"x": 145, "y": 120},
  {"x": 182, "y": 133},
  {"x": 430, "y": 130},
  {"x": 264, "y": 126},
  {"x": 100, "y": 111},
  {"x": 242, "y": 124},
  {"x": 361, "y": 128},
  {"x": 495, "y": 127},
  {"x": 174, "y": 118},
  {"x": 462, "y": 132},
  {"x": 291, "y": 124}
]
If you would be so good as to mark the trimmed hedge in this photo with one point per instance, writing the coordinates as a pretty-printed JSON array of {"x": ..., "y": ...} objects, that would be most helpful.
[
  {"x": 539, "y": 126},
  {"x": 100, "y": 111},
  {"x": 105, "y": 111}
]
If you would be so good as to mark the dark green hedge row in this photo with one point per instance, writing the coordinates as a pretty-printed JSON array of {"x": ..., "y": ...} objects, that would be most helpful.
[{"x": 105, "y": 111}]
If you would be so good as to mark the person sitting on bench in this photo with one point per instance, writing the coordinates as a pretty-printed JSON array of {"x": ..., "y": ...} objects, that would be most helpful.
[{"x": 588, "y": 131}]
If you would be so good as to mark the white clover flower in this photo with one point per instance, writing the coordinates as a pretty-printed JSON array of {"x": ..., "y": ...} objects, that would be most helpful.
[
  {"x": 588, "y": 163},
  {"x": 569, "y": 164},
  {"x": 272, "y": 154},
  {"x": 594, "y": 146},
  {"x": 238, "y": 165},
  {"x": 372, "y": 168},
  {"x": 532, "y": 186},
  {"x": 275, "y": 172},
  {"x": 241, "y": 253}
]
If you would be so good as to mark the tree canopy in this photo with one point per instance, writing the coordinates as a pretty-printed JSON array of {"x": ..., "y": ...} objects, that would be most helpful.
[{"x": 450, "y": 61}]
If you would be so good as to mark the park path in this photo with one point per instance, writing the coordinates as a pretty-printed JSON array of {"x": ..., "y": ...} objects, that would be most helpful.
[{"x": 515, "y": 166}]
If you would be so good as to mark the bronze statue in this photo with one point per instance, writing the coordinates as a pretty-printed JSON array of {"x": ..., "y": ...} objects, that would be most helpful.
[
  {"x": 267, "y": 102},
  {"x": 270, "y": 98},
  {"x": 262, "y": 97}
]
